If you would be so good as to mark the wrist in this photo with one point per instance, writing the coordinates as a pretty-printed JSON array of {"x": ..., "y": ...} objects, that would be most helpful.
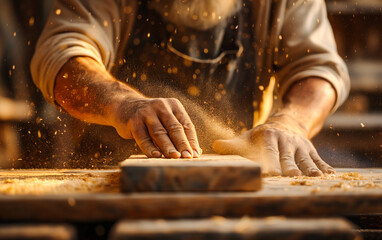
[
  {"x": 122, "y": 105},
  {"x": 287, "y": 119}
]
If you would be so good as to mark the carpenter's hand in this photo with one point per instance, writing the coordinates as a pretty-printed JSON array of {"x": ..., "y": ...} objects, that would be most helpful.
[
  {"x": 158, "y": 125},
  {"x": 281, "y": 147}
]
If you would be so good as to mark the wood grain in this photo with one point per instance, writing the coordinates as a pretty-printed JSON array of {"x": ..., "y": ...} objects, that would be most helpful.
[
  {"x": 244, "y": 228},
  {"x": 211, "y": 173}
]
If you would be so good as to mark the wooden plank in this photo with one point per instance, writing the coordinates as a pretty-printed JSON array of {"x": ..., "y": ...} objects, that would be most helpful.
[
  {"x": 345, "y": 194},
  {"x": 212, "y": 173},
  {"x": 37, "y": 232},
  {"x": 111, "y": 207},
  {"x": 244, "y": 228}
]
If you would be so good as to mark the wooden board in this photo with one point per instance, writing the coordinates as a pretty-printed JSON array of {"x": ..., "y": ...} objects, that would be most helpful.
[
  {"x": 211, "y": 173},
  {"x": 37, "y": 232},
  {"x": 339, "y": 195},
  {"x": 244, "y": 228}
]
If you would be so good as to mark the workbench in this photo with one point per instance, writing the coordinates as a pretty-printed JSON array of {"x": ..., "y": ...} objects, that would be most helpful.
[{"x": 94, "y": 195}]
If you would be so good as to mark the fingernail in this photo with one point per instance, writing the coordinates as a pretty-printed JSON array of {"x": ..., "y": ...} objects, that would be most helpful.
[
  {"x": 315, "y": 172},
  {"x": 174, "y": 152},
  {"x": 186, "y": 154},
  {"x": 156, "y": 154},
  {"x": 196, "y": 154},
  {"x": 331, "y": 171}
]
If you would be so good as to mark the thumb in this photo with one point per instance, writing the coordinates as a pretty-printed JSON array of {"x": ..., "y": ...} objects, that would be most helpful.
[{"x": 235, "y": 146}]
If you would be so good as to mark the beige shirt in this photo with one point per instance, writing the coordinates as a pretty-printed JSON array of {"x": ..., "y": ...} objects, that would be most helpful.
[{"x": 294, "y": 40}]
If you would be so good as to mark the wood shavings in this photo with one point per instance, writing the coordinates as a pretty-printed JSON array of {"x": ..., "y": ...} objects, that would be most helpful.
[
  {"x": 352, "y": 176},
  {"x": 342, "y": 185},
  {"x": 302, "y": 183}
]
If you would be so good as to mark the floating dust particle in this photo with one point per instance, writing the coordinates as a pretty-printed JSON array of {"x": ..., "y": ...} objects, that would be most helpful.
[
  {"x": 31, "y": 21},
  {"x": 187, "y": 63},
  {"x": 143, "y": 77},
  {"x": 338, "y": 134},
  {"x": 193, "y": 91},
  {"x": 185, "y": 39},
  {"x": 218, "y": 96},
  {"x": 105, "y": 23},
  {"x": 362, "y": 125},
  {"x": 127, "y": 9},
  {"x": 136, "y": 41},
  {"x": 261, "y": 88},
  {"x": 13, "y": 67},
  {"x": 205, "y": 50},
  {"x": 58, "y": 11},
  {"x": 148, "y": 35},
  {"x": 14, "y": 34},
  {"x": 38, "y": 134},
  {"x": 65, "y": 75}
]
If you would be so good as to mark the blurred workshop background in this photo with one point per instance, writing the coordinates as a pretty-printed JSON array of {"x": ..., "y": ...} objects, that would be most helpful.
[{"x": 35, "y": 134}]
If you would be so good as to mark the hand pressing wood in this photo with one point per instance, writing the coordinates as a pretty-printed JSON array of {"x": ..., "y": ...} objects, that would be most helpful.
[{"x": 209, "y": 173}]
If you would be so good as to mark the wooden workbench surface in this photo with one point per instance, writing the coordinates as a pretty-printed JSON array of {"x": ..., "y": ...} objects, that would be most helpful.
[{"x": 92, "y": 195}]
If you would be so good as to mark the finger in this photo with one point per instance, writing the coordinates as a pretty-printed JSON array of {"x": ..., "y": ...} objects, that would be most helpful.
[
  {"x": 321, "y": 164},
  {"x": 190, "y": 132},
  {"x": 229, "y": 147},
  {"x": 306, "y": 164},
  {"x": 143, "y": 139},
  {"x": 177, "y": 134},
  {"x": 270, "y": 154},
  {"x": 159, "y": 136},
  {"x": 287, "y": 162}
]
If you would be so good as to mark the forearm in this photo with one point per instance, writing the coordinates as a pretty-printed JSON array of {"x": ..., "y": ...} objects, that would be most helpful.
[
  {"x": 88, "y": 92},
  {"x": 310, "y": 102}
]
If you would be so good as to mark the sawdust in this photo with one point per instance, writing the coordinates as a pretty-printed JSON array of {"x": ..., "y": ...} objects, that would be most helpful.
[
  {"x": 37, "y": 184},
  {"x": 340, "y": 182}
]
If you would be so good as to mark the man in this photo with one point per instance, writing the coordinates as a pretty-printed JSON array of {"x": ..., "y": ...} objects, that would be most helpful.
[{"x": 222, "y": 59}]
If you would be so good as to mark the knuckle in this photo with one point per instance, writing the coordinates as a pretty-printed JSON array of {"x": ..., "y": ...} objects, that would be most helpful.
[
  {"x": 175, "y": 127},
  {"x": 269, "y": 132},
  {"x": 158, "y": 102},
  {"x": 175, "y": 101},
  {"x": 159, "y": 131},
  {"x": 189, "y": 126},
  {"x": 286, "y": 158},
  {"x": 182, "y": 144}
]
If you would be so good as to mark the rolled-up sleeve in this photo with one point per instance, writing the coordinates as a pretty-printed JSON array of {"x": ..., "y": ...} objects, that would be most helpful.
[
  {"x": 75, "y": 28},
  {"x": 307, "y": 49}
]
